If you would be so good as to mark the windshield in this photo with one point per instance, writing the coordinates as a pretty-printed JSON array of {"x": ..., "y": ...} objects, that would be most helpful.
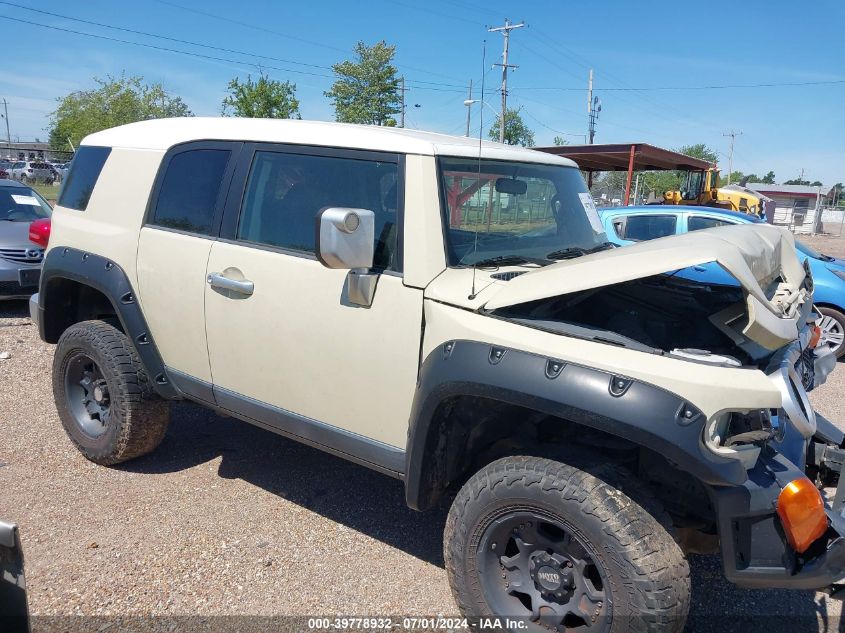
[
  {"x": 517, "y": 210},
  {"x": 22, "y": 204}
]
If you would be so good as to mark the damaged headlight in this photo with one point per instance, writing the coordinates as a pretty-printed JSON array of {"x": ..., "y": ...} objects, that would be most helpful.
[{"x": 754, "y": 427}]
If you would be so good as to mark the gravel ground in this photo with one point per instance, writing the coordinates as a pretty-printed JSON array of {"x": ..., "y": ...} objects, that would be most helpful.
[{"x": 228, "y": 519}]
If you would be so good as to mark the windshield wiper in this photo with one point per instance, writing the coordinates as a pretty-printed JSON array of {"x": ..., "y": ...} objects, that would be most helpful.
[
  {"x": 601, "y": 247},
  {"x": 574, "y": 251},
  {"x": 506, "y": 260},
  {"x": 566, "y": 253}
]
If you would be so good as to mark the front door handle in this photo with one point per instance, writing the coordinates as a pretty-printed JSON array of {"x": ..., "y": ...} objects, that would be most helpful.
[{"x": 217, "y": 280}]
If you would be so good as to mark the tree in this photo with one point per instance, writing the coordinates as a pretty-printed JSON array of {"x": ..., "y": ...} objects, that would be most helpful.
[
  {"x": 769, "y": 178},
  {"x": 699, "y": 150},
  {"x": 797, "y": 181},
  {"x": 367, "y": 90},
  {"x": 516, "y": 132},
  {"x": 816, "y": 183},
  {"x": 263, "y": 99},
  {"x": 736, "y": 178},
  {"x": 114, "y": 101},
  {"x": 559, "y": 140}
]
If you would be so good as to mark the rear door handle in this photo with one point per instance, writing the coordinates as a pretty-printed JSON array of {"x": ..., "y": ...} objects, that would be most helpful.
[{"x": 217, "y": 280}]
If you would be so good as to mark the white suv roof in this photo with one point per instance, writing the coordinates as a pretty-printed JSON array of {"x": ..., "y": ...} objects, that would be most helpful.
[{"x": 161, "y": 134}]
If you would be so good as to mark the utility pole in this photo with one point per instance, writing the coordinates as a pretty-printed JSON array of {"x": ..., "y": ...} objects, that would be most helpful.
[
  {"x": 8, "y": 135},
  {"x": 506, "y": 31},
  {"x": 590, "y": 131},
  {"x": 593, "y": 109},
  {"x": 469, "y": 107},
  {"x": 733, "y": 134},
  {"x": 402, "y": 90}
]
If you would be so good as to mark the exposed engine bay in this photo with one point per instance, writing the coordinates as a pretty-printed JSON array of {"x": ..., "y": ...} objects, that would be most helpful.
[{"x": 658, "y": 314}]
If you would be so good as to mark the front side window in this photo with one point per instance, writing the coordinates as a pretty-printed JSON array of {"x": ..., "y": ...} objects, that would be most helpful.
[
  {"x": 286, "y": 191},
  {"x": 698, "y": 222},
  {"x": 85, "y": 170},
  {"x": 188, "y": 196},
  {"x": 640, "y": 228},
  {"x": 511, "y": 209}
]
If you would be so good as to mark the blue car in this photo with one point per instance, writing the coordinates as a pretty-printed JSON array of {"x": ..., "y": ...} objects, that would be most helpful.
[{"x": 627, "y": 225}]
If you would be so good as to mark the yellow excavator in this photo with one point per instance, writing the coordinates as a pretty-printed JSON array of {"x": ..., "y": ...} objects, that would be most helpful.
[{"x": 701, "y": 188}]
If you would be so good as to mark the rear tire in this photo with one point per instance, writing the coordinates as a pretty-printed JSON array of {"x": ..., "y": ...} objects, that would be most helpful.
[
  {"x": 105, "y": 400},
  {"x": 833, "y": 328},
  {"x": 534, "y": 537}
]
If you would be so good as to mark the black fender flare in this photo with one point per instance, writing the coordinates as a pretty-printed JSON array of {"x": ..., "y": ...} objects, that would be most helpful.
[
  {"x": 629, "y": 408},
  {"x": 110, "y": 279}
]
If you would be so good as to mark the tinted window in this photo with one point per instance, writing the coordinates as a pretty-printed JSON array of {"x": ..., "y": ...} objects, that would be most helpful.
[
  {"x": 649, "y": 227},
  {"x": 85, "y": 169},
  {"x": 188, "y": 195},
  {"x": 285, "y": 192},
  {"x": 697, "y": 222}
]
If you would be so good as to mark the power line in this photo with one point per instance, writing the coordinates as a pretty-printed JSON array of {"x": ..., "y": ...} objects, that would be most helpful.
[
  {"x": 713, "y": 87},
  {"x": 539, "y": 122},
  {"x": 256, "y": 27},
  {"x": 200, "y": 44},
  {"x": 236, "y": 62},
  {"x": 165, "y": 37}
]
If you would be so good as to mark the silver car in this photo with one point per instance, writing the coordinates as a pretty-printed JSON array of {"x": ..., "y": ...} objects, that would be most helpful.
[
  {"x": 32, "y": 171},
  {"x": 20, "y": 259}
]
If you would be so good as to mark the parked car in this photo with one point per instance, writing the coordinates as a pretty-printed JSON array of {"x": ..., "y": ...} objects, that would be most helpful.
[
  {"x": 343, "y": 286},
  {"x": 20, "y": 259},
  {"x": 628, "y": 225},
  {"x": 14, "y": 609},
  {"x": 61, "y": 170},
  {"x": 32, "y": 171}
]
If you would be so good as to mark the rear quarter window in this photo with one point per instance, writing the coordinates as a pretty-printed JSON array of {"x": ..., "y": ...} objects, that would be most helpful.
[
  {"x": 189, "y": 190},
  {"x": 84, "y": 172}
]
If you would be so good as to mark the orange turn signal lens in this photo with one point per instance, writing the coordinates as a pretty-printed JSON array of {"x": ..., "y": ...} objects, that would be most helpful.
[
  {"x": 815, "y": 336},
  {"x": 801, "y": 511}
]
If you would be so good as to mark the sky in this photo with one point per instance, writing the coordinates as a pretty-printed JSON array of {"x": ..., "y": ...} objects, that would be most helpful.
[{"x": 443, "y": 44}]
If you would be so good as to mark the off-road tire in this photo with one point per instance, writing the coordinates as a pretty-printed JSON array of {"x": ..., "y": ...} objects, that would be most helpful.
[
  {"x": 647, "y": 573},
  {"x": 138, "y": 417}
]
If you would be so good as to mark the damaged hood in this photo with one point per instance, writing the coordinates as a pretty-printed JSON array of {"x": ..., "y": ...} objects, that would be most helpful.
[{"x": 758, "y": 256}]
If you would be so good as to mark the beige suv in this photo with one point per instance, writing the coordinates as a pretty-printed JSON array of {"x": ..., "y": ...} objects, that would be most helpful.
[{"x": 450, "y": 313}]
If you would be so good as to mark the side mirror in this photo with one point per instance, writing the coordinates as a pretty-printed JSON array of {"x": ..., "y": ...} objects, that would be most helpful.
[{"x": 345, "y": 237}]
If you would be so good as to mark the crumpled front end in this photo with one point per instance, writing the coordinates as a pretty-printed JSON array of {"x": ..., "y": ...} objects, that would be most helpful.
[{"x": 757, "y": 543}]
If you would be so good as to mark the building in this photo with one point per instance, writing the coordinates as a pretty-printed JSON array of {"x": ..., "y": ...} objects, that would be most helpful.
[
  {"x": 796, "y": 206},
  {"x": 32, "y": 150}
]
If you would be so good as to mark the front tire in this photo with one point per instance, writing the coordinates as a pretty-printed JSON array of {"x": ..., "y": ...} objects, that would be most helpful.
[
  {"x": 565, "y": 549},
  {"x": 832, "y": 325},
  {"x": 105, "y": 400}
]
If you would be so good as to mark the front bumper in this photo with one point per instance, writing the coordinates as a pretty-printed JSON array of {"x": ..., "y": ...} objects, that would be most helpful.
[{"x": 755, "y": 553}]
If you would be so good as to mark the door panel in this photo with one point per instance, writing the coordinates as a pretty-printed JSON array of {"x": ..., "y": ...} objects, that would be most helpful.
[
  {"x": 297, "y": 344},
  {"x": 171, "y": 267}
]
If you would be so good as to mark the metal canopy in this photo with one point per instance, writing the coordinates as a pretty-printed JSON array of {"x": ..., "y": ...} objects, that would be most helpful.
[
  {"x": 617, "y": 157},
  {"x": 628, "y": 157}
]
